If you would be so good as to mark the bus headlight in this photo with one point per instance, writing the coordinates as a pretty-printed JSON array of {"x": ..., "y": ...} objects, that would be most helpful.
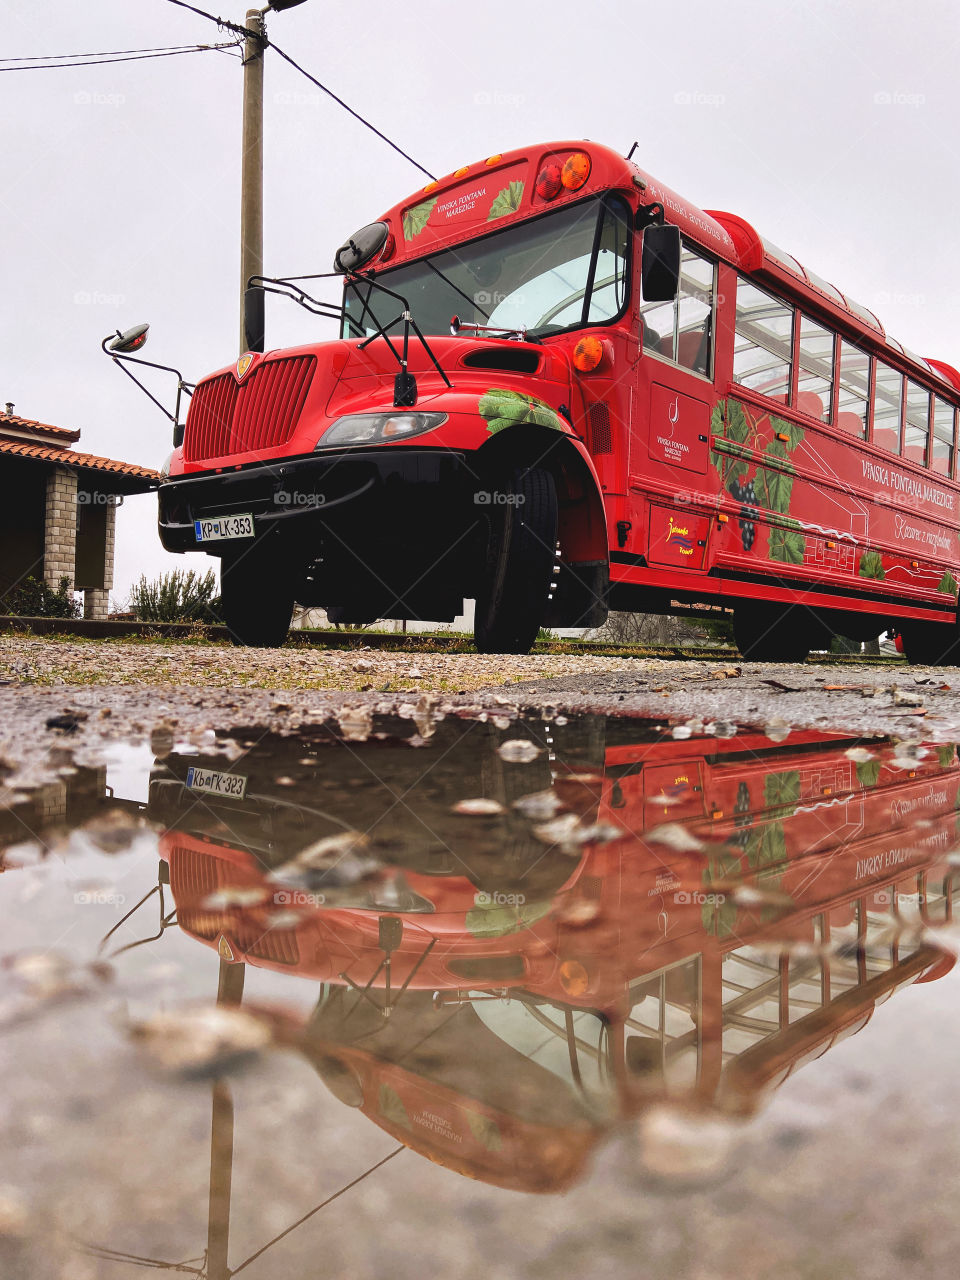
[{"x": 378, "y": 428}]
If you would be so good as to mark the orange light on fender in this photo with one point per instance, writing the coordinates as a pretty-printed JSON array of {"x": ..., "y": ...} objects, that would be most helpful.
[
  {"x": 575, "y": 171},
  {"x": 574, "y": 978},
  {"x": 587, "y": 354},
  {"x": 549, "y": 182}
]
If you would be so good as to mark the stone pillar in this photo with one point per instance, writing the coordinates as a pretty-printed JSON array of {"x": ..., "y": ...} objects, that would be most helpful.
[
  {"x": 60, "y": 527},
  {"x": 96, "y": 600}
]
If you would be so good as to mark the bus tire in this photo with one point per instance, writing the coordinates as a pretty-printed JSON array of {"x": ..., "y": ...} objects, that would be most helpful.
[
  {"x": 930, "y": 644},
  {"x": 518, "y": 562},
  {"x": 256, "y": 597},
  {"x": 770, "y": 634}
]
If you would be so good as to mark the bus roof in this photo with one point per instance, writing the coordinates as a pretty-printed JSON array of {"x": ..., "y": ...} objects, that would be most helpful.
[{"x": 501, "y": 189}]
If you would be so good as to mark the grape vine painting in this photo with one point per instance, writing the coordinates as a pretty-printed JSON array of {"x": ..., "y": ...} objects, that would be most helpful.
[
  {"x": 771, "y": 486},
  {"x": 504, "y": 408}
]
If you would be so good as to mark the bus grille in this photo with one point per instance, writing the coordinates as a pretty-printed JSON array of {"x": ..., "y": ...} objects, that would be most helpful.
[
  {"x": 601, "y": 440},
  {"x": 260, "y": 413}
]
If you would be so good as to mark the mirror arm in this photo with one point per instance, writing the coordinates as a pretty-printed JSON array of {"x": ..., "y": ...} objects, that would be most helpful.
[{"x": 182, "y": 385}]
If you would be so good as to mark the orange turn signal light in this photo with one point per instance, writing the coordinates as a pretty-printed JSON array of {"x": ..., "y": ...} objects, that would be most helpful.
[
  {"x": 722, "y": 519},
  {"x": 573, "y": 977},
  {"x": 575, "y": 171},
  {"x": 587, "y": 354}
]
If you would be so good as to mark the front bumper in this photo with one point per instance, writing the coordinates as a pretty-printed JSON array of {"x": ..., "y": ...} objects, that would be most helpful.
[{"x": 373, "y": 485}]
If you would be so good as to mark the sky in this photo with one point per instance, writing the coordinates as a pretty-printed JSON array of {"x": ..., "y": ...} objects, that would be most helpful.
[{"x": 832, "y": 127}]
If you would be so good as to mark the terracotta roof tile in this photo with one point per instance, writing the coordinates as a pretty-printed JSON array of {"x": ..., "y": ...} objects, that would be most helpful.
[
  {"x": 40, "y": 428},
  {"x": 83, "y": 461}
]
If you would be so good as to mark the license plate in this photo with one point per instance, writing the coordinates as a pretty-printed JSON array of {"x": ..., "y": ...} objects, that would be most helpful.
[
  {"x": 219, "y": 527},
  {"x": 212, "y": 783}
]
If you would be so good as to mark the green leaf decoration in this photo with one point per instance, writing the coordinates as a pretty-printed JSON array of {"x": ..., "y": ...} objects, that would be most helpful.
[
  {"x": 868, "y": 772},
  {"x": 415, "y": 219},
  {"x": 485, "y": 1130},
  {"x": 716, "y": 418},
  {"x": 719, "y": 918},
  {"x": 789, "y": 429},
  {"x": 488, "y": 920},
  {"x": 391, "y": 1107},
  {"x": 946, "y": 756},
  {"x": 738, "y": 428},
  {"x": 736, "y": 467},
  {"x": 506, "y": 201},
  {"x": 504, "y": 408},
  {"x": 781, "y": 791},
  {"x": 948, "y": 584},
  {"x": 767, "y": 846},
  {"x": 786, "y": 545},
  {"x": 773, "y": 489},
  {"x": 871, "y": 565}
]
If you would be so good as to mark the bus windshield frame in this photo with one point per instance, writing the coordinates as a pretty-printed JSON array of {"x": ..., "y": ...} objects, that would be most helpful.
[{"x": 520, "y": 279}]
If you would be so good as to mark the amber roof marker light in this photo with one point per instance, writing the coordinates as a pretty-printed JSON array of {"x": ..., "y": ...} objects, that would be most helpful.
[{"x": 575, "y": 171}]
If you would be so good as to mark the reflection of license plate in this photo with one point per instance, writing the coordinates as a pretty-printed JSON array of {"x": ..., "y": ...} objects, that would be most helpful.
[
  {"x": 212, "y": 783},
  {"x": 219, "y": 527}
]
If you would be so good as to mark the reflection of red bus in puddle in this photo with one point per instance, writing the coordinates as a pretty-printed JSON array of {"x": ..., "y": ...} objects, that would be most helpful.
[{"x": 501, "y": 1034}]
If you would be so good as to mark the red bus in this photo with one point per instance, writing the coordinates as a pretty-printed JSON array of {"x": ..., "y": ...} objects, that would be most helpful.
[
  {"x": 562, "y": 388},
  {"x": 519, "y": 1036}
]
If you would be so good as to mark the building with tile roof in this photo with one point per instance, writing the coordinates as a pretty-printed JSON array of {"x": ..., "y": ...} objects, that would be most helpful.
[{"x": 58, "y": 510}]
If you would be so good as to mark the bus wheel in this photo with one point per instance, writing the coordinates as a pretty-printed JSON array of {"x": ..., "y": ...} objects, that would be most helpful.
[
  {"x": 518, "y": 565},
  {"x": 931, "y": 644},
  {"x": 770, "y": 634},
  {"x": 256, "y": 596}
]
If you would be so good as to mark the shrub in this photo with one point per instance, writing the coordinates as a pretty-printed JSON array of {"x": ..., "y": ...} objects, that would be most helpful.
[
  {"x": 32, "y": 598},
  {"x": 179, "y": 596}
]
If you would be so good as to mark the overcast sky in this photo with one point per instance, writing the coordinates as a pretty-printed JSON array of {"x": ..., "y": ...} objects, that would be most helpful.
[{"x": 831, "y": 127}]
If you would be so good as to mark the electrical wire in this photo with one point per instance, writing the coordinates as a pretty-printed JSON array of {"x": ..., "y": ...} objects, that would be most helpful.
[
  {"x": 356, "y": 114},
  {"x": 99, "y": 53},
  {"x": 221, "y": 22},
  {"x": 109, "y": 60}
]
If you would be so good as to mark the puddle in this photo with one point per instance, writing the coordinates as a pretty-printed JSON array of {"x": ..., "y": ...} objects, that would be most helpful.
[{"x": 355, "y": 995}]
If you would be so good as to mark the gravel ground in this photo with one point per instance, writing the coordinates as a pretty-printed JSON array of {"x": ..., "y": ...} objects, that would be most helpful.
[{"x": 54, "y": 661}]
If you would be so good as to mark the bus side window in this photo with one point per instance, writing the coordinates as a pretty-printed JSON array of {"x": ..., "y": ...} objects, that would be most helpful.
[
  {"x": 886, "y": 408},
  {"x": 763, "y": 349},
  {"x": 853, "y": 390},
  {"x": 942, "y": 460},
  {"x": 917, "y": 426},
  {"x": 815, "y": 378},
  {"x": 682, "y": 330}
]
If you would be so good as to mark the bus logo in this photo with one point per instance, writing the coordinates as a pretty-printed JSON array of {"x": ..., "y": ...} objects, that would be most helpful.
[
  {"x": 243, "y": 364},
  {"x": 679, "y": 536},
  {"x": 224, "y": 949},
  {"x": 673, "y": 413}
]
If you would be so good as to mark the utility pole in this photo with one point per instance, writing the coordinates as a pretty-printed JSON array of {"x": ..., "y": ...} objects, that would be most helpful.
[{"x": 251, "y": 177}]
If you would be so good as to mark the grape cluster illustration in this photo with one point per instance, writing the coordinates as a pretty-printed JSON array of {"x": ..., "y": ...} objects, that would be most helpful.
[{"x": 749, "y": 513}]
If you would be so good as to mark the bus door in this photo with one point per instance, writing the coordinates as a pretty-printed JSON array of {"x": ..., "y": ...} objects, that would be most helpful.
[{"x": 670, "y": 425}]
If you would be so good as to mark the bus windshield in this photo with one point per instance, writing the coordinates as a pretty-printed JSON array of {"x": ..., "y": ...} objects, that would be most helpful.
[{"x": 558, "y": 272}]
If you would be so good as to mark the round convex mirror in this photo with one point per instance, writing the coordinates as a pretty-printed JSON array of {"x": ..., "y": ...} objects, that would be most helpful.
[{"x": 362, "y": 246}]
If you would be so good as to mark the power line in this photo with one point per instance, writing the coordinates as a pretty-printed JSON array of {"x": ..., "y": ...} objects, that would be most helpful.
[
  {"x": 356, "y": 114},
  {"x": 221, "y": 22},
  {"x": 109, "y": 60},
  {"x": 99, "y": 53}
]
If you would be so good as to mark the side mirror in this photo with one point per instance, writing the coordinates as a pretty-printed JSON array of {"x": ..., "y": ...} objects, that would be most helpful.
[
  {"x": 130, "y": 340},
  {"x": 660, "y": 263},
  {"x": 362, "y": 246}
]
